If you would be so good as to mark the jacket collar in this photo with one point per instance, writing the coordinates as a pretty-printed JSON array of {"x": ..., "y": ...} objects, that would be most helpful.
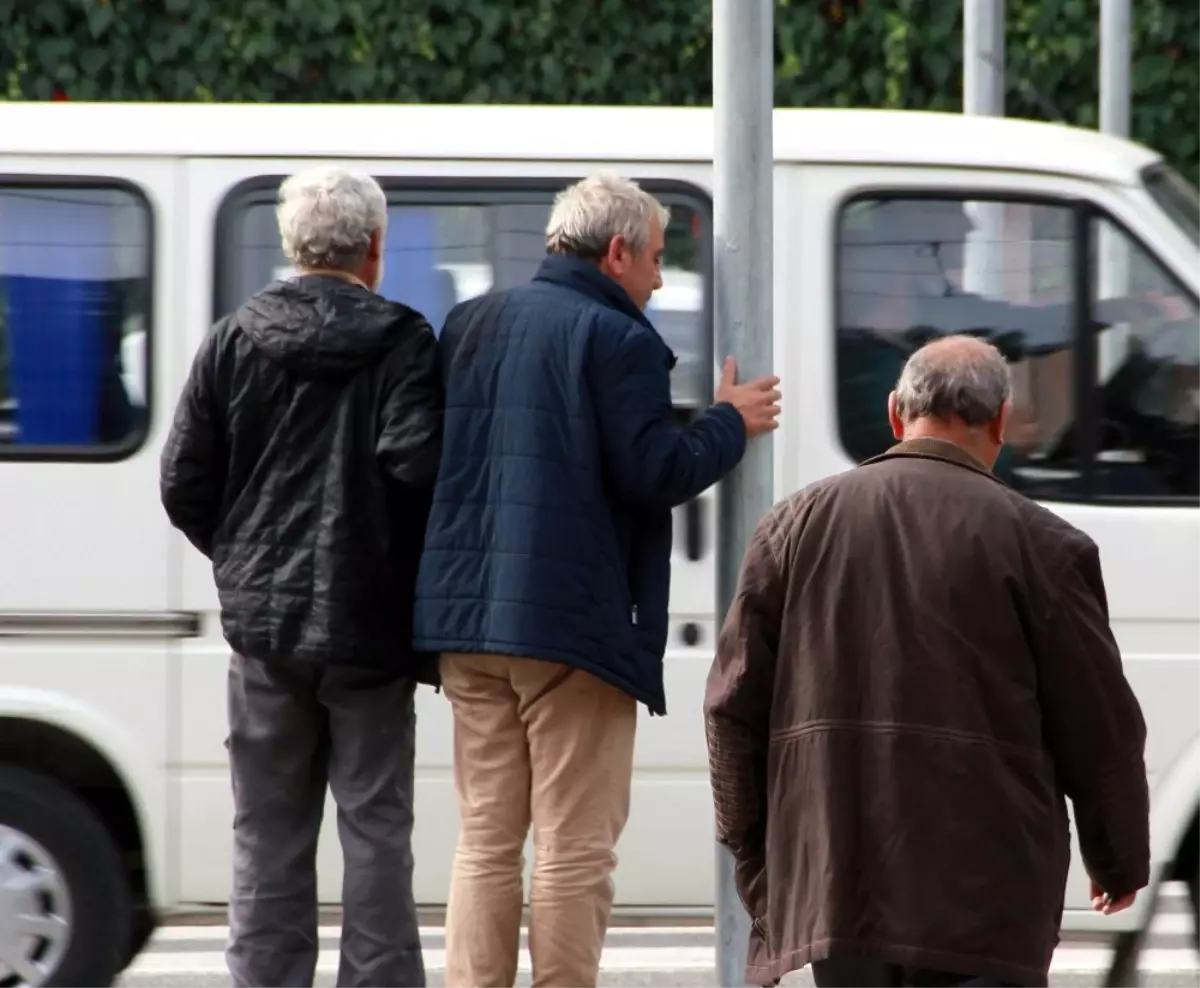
[
  {"x": 928, "y": 448},
  {"x": 587, "y": 279}
]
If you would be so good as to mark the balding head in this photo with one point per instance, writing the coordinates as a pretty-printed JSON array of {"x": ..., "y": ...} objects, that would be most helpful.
[{"x": 957, "y": 388}]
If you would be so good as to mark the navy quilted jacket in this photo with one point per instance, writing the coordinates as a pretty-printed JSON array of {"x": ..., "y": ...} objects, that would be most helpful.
[{"x": 550, "y": 534}]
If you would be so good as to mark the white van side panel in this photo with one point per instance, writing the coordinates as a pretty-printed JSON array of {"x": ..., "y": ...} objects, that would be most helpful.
[{"x": 86, "y": 595}]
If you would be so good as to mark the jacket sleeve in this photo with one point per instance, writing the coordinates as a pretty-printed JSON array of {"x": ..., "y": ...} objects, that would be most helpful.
[
  {"x": 1095, "y": 729},
  {"x": 192, "y": 466},
  {"x": 737, "y": 713},
  {"x": 651, "y": 460},
  {"x": 411, "y": 414}
]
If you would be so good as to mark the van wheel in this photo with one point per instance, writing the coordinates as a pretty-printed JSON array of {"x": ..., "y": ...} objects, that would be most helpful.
[{"x": 65, "y": 905}]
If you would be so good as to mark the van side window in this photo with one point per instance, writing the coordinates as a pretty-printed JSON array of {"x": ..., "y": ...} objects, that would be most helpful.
[
  {"x": 75, "y": 302},
  {"x": 1147, "y": 372},
  {"x": 911, "y": 269},
  {"x": 453, "y": 244}
]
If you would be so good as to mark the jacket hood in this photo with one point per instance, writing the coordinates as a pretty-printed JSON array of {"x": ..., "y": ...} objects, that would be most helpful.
[{"x": 322, "y": 326}]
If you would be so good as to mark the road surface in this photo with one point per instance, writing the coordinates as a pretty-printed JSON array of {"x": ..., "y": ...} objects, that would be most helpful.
[{"x": 192, "y": 956}]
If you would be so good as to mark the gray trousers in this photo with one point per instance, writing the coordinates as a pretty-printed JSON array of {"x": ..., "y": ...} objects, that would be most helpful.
[{"x": 292, "y": 731}]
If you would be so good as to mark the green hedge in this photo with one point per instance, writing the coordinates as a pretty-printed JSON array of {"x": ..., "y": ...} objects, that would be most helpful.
[{"x": 894, "y": 53}]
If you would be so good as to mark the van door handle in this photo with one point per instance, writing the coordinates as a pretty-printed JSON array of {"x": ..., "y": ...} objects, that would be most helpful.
[{"x": 693, "y": 529}]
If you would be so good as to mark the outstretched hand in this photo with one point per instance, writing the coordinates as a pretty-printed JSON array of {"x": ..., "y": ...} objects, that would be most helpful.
[{"x": 757, "y": 401}]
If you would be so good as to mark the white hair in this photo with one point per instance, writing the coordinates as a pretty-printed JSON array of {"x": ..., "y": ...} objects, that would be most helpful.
[
  {"x": 954, "y": 377},
  {"x": 327, "y": 215},
  {"x": 587, "y": 215}
]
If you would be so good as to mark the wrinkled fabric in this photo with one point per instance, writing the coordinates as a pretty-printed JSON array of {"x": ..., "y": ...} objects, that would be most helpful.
[
  {"x": 534, "y": 744},
  {"x": 301, "y": 461},
  {"x": 550, "y": 533},
  {"x": 294, "y": 732},
  {"x": 917, "y": 671}
]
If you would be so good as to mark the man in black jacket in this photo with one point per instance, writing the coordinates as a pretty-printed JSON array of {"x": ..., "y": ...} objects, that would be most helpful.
[{"x": 301, "y": 462}]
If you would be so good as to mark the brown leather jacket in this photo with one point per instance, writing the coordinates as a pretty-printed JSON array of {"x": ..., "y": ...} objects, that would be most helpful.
[{"x": 916, "y": 671}]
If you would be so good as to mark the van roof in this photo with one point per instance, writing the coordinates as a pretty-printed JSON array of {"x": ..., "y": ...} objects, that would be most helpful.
[{"x": 555, "y": 133}]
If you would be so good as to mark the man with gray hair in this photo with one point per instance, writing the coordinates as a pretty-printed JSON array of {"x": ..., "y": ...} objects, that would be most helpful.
[
  {"x": 546, "y": 573},
  {"x": 301, "y": 462},
  {"x": 916, "y": 673}
]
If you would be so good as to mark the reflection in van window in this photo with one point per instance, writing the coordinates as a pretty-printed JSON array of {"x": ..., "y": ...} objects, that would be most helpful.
[
  {"x": 913, "y": 269},
  {"x": 74, "y": 315},
  {"x": 439, "y": 255},
  {"x": 1147, "y": 373}
]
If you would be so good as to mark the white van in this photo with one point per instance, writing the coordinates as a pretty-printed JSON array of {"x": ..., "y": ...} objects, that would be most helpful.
[{"x": 125, "y": 230}]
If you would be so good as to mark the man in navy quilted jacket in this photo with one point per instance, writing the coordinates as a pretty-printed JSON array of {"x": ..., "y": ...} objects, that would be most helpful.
[{"x": 546, "y": 574}]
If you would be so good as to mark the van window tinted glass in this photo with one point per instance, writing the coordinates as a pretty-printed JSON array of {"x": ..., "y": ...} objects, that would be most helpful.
[
  {"x": 910, "y": 270},
  {"x": 74, "y": 319},
  {"x": 439, "y": 254},
  {"x": 1147, "y": 373}
]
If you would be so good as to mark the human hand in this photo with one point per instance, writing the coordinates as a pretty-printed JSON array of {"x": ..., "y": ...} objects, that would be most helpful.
[
  {"x": 757, "y": 401},
  {"x": 1102, "y": 903}
]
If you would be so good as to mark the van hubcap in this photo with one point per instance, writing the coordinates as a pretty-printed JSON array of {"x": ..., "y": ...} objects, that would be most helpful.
[{"x": 35, "y": 911}]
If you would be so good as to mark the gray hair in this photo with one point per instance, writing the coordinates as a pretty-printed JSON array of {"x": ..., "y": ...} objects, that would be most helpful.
[
  {"x": 954, "y": 377},
  {"x": 587, "y": 215},
  {"x": 327, "y": 215}
]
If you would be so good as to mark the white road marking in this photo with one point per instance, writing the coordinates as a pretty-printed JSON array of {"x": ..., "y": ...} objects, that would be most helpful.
[
  {"x": 1083, "y": 960},
  {"x": 1067, "y": 960},
  {"x": 615, "y": 959},
  {"x": 169, "y": 934},
  {"x": 1165, "y": 924},
  {"x": 1173, "y": 924}
]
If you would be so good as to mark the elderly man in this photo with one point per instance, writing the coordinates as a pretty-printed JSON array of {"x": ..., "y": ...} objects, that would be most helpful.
[
  {"x": 916, "y": 671},
  {"x": 546, "y": 572},
  {"x": 302, "y": 462}
]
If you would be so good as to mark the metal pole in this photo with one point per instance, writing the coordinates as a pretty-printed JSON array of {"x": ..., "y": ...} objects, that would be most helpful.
[
  {"x": 1114, "y": 67},
  {"x": 983, "y": 95},
  {"x": 983, "y": 57},
  {"x": 743, "y": 172},
  {"x": 1115, "y": 56}
]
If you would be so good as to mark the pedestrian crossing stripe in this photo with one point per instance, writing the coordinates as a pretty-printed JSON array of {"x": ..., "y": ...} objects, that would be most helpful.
[
  {"x": 205, "y": 932},
  {"x": 1165, "y": 924},
  {"x": 1067, "y": 960}
]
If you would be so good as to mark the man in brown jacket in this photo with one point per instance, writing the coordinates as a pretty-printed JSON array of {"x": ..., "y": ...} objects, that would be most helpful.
[{"x": 915, "y": 673}]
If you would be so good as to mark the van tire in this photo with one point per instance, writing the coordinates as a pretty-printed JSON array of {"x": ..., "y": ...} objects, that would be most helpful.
[{"x": 84, "y": 853}]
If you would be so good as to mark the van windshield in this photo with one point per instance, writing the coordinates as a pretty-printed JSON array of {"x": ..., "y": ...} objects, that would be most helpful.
[{"x": 1176, "y": 197}]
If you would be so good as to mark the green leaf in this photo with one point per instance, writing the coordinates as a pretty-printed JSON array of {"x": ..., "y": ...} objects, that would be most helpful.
[
  {"x": 92, "y": 60},
  {"x": 52, "y": 52},
  {"x": 50, "y": 14},
  {"x": 99, "y": 18}
]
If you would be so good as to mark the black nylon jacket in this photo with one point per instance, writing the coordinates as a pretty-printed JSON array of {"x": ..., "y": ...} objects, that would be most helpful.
[{"x": 301, "y": 461}]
